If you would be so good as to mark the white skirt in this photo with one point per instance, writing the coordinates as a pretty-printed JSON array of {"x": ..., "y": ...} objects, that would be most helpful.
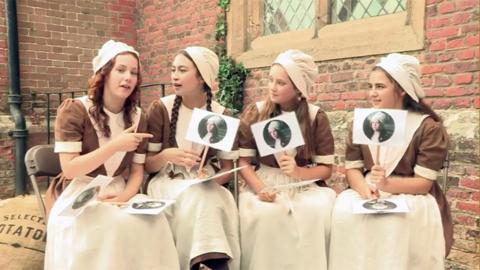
[
  {"x": 204, "y": 218},
  {"x": 291, "y": 233},
  {"x": 402, "y": 241},
  {"x": 104, "y": 237}
]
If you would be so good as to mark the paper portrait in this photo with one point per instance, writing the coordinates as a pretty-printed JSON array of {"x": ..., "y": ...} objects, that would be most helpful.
[
  {"x": 277, "y": 134},
  {"x": 148, "y": 207},
  {"x": 86, "y": 196},
  {"x": 215, "y": 130},
  {"x": 379, "y": 126}
]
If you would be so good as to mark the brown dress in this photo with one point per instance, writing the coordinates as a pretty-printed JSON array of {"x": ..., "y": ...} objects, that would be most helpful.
[
  {"x": 294, "y": 231},
  {"x": 204, "y": 218},
  {"x": 412, "y": 240},
  {"x": 98, "y": 238}
]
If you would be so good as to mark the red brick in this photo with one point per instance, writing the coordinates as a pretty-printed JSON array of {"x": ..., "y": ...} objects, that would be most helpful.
[
  {"x": 434, "y": 92},
  {"x": 328, "y": 96},
  {"x": 469, "y": 207},
  {"x": 466, "y": 54},
  {"x": 455, "y": 43},
  {"x": 467, "y": 4},
  {"x": 461, "y": 18},
  {"x": 437, "y": 22},
  {"x": 447, "y": 7},
  {"x": 429, "y": 69},
  {"x": 442, "y": 33},
  {"x": 440, "y": 103},
  {"x": 442, "y": 81},
  {"x": 458, "y": 193},
  {"x": 437, "y": 45},
  {"x": 473, "y": 40},
  {"x": 354, "y": 95},
  {"x": 445, "y": 57},
  {"x": 476, "y": 102},
  {"x": 470, "y": 183},
  {"x": 463, "y": 78},
  {"x": 462, "y": 103},
  {"x": 463, "y": 219},
  {"x": 476, "y": 196}
]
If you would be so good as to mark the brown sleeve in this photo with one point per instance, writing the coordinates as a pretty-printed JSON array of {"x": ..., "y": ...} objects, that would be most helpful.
[
  {"x": 245, "y": 136},
  {"x": 433, "y": 146},
  {"x": 70, "y": 121},
  {"x": 353, "y": 152},
  {"x": 324, "y": 144},
  {"x": 156, "y": 114}
]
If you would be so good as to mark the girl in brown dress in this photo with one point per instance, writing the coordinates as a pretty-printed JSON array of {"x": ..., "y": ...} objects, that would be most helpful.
[
  {"x": 97, "y": 135},
  {"x": 406, "y": 241},
  {"x": 204, "y": 218},
  {"x": 289, "y": 229}
]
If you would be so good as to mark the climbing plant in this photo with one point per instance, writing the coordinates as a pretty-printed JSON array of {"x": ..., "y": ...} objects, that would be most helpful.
[{"x": 232, "y": 75}]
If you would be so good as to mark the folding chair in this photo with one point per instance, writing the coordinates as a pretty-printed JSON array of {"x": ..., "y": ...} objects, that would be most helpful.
[
  {"x": 41, "y": 160},
  {"x": 446, "y": 164}
]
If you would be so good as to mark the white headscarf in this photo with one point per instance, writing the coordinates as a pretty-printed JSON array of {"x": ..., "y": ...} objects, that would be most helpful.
[
  {"x": 405, "y": 69},
  {"x": 274, "y": 125},
  {"x": 300, "y": 68},
  {"x": 108, "y": 51},
  {"x": 206, "y": 62}
]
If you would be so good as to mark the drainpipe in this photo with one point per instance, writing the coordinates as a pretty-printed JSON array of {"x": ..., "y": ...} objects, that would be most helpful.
[{"x": 14, "y": 98}]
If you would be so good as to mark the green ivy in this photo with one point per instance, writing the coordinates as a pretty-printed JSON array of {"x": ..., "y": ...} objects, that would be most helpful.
[{"x": 232, "y": 75}]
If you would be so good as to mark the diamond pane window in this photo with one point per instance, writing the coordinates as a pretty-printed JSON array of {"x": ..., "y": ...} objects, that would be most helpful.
[
  {"x": 349, "y": 10},
  {"x": 287, "y": 15}
]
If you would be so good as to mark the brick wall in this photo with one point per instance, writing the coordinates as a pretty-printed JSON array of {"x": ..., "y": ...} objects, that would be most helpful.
[
  {"x": 58, "y": 40},
  {"x": 164, "y": 28}
]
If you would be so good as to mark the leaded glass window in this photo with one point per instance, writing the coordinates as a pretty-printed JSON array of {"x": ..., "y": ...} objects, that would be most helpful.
[
  {"x": 287, "y": 15},
  {"x": 349, "y": 10}
]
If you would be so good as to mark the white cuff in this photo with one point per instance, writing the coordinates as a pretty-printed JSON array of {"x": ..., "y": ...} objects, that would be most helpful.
[
  {"x": 245, "y": 152},
  {"x": 139, "y": 158},
  {"x": 354, "y": 164},
  {"x": 330, "y": 159},
  {"x": 228, "y": 155},
  {"x": 68, "y": 147},
  {"x": 154, "y": 147},
  {"x": 425, "y": 172}
]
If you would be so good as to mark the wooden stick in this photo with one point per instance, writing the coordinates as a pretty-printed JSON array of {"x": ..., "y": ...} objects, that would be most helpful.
[
  {"x": 205, "y": 150},
  {"x": 377, "y": 155}
]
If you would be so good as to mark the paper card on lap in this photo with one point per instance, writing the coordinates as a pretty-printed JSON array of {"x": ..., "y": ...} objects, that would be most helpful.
[
  {"x": 395, "y": 204},
  {"x": 184, "y": 184},
  {"x": 292, "y": 185},
  {"x": 148, "y": 207},
  {"x": 277, "y": 134},
  {"x": 379, "y": 126},
  {"x": 215, "y": 130},
  {"x": 86, "y": 196}
]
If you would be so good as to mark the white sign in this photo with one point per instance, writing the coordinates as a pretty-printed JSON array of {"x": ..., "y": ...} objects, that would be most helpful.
[
  {"x": 215, "y": 130},
  {"x": 277, "y": 134},
  {"x": 148, "y": 207},
  {"x": 395, "y": 204},
  {"x": 379, "y": 126},
  {"x": 86, "y": 196}
]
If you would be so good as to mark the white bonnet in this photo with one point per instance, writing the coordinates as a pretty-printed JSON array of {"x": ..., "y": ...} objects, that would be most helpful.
[
  {"x": 405, "y": 69},
  {"x": 109, "y": 50},
  {"x": 378, "y": 117},
  {"x": 300, "y": 68},
  {"x": 206, "y": 62},
  {"x": 273, "y": 125}
]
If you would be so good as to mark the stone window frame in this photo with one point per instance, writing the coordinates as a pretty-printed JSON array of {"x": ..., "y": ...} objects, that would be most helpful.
[{"x": 399, "y": 32}]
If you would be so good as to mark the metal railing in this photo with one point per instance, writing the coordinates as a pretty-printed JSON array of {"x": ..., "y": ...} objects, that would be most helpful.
[{"x": 51, "y": 101}]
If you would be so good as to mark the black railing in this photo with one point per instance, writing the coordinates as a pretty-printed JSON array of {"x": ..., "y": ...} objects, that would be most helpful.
[{"x": 50, "y": 101}]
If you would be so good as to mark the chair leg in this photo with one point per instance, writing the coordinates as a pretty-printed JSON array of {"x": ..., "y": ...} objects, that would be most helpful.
[{"x": 41, "y": 205}]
